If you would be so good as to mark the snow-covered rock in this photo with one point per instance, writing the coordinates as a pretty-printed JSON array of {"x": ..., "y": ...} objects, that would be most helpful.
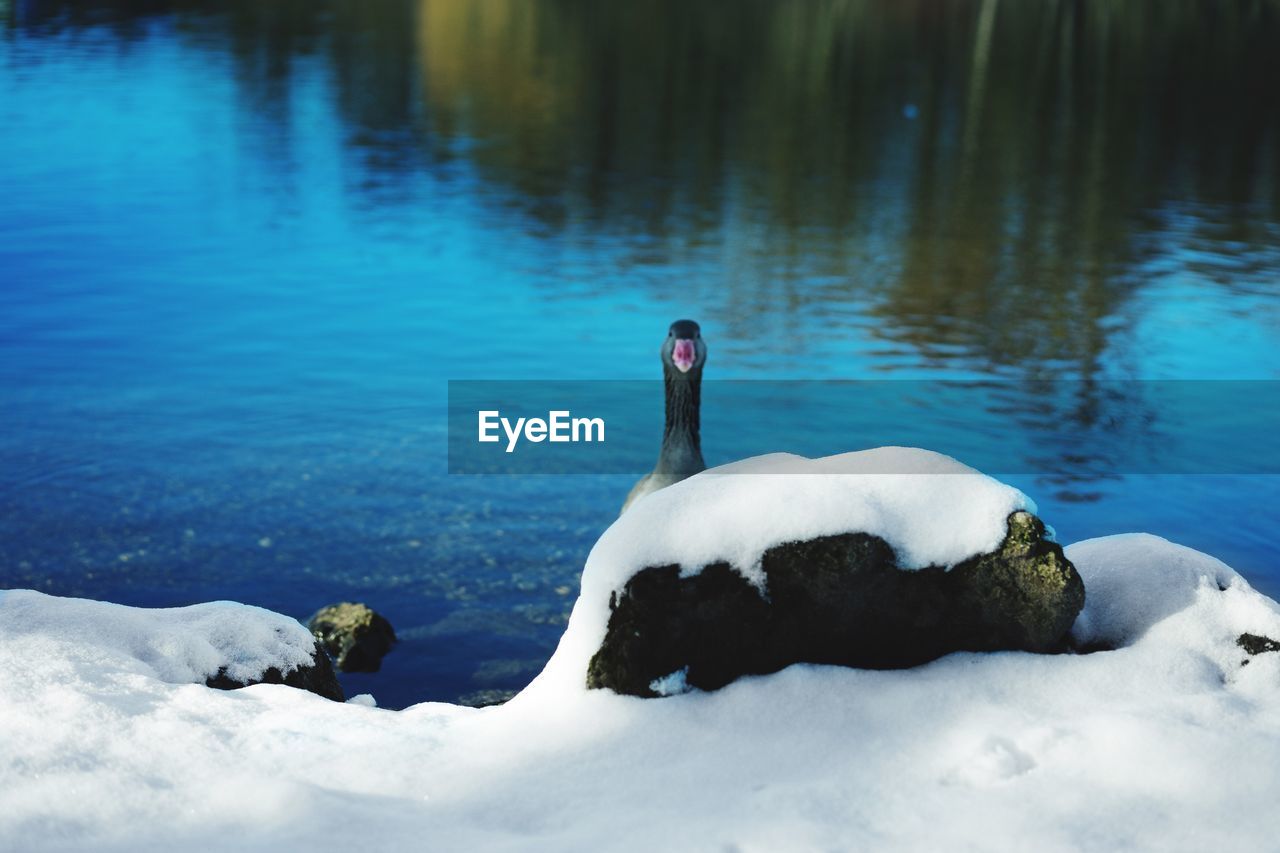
[
  {"x": 880, "y": 558},
  {"x": 929, "y": 509},
  {"x": 838, "y": 599},
  {"x": 220, "y": 644},
  {"x": 1142, "y": 585}
]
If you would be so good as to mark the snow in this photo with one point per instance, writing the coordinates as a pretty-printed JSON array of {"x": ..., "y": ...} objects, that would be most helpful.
[
  {"x": 1165, "y": 743},
  {"x": 931, "y": 509},
  {"x": 177, "y": 645},
  {"x": 672, "y": 684},
  {"x": 1136, "y": 580}
]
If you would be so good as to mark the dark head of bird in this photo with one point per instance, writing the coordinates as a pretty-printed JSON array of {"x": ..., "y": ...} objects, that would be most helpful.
[
  {"x": 683, "y": 352},
  {"x": 683, "y": 355}
]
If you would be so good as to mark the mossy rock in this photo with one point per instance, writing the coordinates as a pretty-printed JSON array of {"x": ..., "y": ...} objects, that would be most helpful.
[
  {"x": 356, "y": 636},
  {"x": 838, "y": 599}
]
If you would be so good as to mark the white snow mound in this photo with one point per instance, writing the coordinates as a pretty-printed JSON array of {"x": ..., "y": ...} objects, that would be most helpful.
[
  {"x": 176, "y": 645},
  {"x": 1138, "y": 584}
]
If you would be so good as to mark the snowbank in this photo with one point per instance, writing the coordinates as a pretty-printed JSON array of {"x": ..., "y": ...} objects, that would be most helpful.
[
  {"x": 1167, "y": 743},
  {"x": 1137, "y": 581},
  {"x": 177, "y": 645}
]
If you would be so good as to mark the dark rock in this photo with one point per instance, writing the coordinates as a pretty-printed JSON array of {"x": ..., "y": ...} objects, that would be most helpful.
[
  {"x": 318, "y": 677},
  {"x": 837, "y": 600},
  {"x": 1255, "y": 644},
  {"x": 357, "y": 637}
]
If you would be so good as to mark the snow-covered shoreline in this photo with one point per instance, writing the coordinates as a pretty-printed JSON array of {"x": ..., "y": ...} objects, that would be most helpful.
[{"x": 1169, "y": 741}]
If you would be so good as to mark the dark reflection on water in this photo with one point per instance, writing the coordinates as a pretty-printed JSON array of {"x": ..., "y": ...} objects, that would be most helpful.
[
  {"x": 983, "y": 182},
  {"x": 245, "y": 243}
]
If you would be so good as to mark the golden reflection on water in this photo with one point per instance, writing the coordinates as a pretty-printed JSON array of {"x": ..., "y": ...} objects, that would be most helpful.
[{"x": 991, "y": 176}]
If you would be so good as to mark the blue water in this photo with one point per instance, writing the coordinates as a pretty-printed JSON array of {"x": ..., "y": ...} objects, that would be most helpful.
[{"x": 242, "y": 251}]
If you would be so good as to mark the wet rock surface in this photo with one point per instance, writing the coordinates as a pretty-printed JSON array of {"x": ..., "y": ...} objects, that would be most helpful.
[{"x": 838, "y": 599}]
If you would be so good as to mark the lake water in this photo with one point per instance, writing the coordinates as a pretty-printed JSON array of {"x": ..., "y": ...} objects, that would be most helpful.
[{"x": 244, "y": 246}]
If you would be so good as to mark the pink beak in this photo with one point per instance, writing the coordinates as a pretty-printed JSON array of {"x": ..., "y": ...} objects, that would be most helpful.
[{"x": 683, "y": 355}]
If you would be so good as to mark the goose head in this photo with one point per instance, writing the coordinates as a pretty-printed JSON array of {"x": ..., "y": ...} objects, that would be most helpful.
[{"x": 683, "y": 352}]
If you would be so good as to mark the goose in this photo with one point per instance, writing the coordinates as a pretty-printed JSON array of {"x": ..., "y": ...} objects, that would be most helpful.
[{"x": 683, "y": 354}]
